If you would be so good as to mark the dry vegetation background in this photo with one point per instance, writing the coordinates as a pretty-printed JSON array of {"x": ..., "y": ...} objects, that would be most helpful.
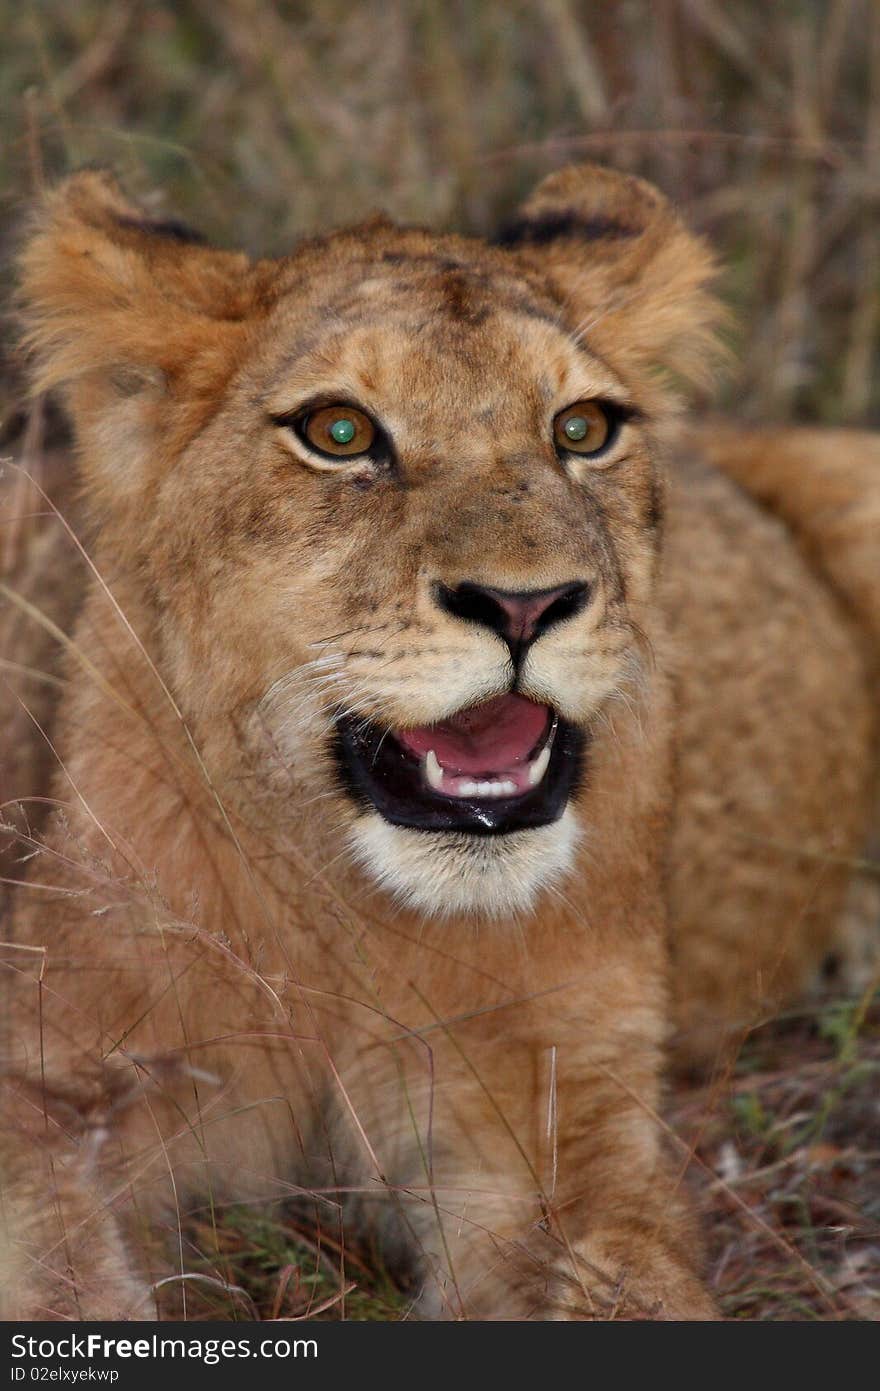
[
  {"x": 260, "y": 122},
  {"x": 263, "y": 121}
]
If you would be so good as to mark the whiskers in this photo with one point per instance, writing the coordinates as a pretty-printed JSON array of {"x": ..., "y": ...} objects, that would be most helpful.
[
  {"x": 321, "y": 687},
  {"x": 630, "y": 686}
]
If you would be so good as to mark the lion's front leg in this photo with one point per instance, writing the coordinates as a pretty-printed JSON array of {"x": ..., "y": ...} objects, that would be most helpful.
[
  {"x": 619, "y": 1209},
  {"x": 557, "y": 1199},
  {"x": 107, "y": 1192},
  {"x": 111, "y": 1157},
  {"x": 63, "y": 1252}
]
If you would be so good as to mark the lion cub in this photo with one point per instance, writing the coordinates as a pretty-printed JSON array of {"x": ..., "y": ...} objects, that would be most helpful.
[{"x": 441, "y": 725}]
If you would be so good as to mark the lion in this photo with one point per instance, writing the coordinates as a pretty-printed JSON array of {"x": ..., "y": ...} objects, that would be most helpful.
[{"x": 449, "y": 726}]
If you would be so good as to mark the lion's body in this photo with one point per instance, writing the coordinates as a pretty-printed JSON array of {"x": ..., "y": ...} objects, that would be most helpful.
[{"x": 255, "y": 989}]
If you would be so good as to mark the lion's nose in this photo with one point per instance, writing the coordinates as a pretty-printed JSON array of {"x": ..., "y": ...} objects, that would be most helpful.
[{"x": 516, "y": 615}]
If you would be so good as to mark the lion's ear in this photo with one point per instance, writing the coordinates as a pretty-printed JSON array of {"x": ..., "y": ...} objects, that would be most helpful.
[
  {"x": 630, "y": 276},
  {"x": 114, "y": 303}
]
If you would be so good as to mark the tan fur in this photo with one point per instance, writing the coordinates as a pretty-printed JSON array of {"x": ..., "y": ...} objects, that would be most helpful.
[{"x": 246, "y": 987}]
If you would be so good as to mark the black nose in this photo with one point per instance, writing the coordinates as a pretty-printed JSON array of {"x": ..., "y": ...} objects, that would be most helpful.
[{"x": 516, "y": 615}]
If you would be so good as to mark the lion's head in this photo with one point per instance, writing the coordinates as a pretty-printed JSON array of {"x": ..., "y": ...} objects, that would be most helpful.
[{"x": 393, "y": 503}]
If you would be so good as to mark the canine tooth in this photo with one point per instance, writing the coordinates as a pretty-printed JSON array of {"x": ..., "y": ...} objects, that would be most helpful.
[
  {"x": 539, "y": 767},
  {"x": 433, "y": 771}
]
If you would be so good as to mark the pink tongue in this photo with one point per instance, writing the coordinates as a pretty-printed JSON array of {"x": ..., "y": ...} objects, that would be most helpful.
[{"x": 488, "y": 738}]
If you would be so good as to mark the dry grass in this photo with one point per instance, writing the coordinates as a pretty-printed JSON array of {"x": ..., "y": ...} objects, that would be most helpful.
[
  {"x": 791, "y": 1145},
  {"x": 270, "y": 1267},
  {"x": 261, "y": 122}
]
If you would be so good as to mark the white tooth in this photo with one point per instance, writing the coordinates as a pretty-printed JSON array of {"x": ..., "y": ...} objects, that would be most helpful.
[
  {"x": 539, "y": 767},
  {"x": 433, "y": 771},
  {"x": 468, "y": 789},
  {"x": 506, "y": 788}
]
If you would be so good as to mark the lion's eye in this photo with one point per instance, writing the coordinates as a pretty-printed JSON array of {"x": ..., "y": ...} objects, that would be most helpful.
[
  {"x": 584, "y": 428},
  {"x": 339, "y": 430}
]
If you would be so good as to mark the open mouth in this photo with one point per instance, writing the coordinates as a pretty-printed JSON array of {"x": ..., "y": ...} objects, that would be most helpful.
[{"x": 500, "y": 766}]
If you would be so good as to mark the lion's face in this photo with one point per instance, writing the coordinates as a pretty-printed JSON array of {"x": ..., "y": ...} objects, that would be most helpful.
[
  {"x": 406, "y": 553},
  {"x": 428, "y": 626}
]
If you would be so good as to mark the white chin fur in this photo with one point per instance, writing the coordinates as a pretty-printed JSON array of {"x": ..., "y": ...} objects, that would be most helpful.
[{"x": 442, "y": 873}]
